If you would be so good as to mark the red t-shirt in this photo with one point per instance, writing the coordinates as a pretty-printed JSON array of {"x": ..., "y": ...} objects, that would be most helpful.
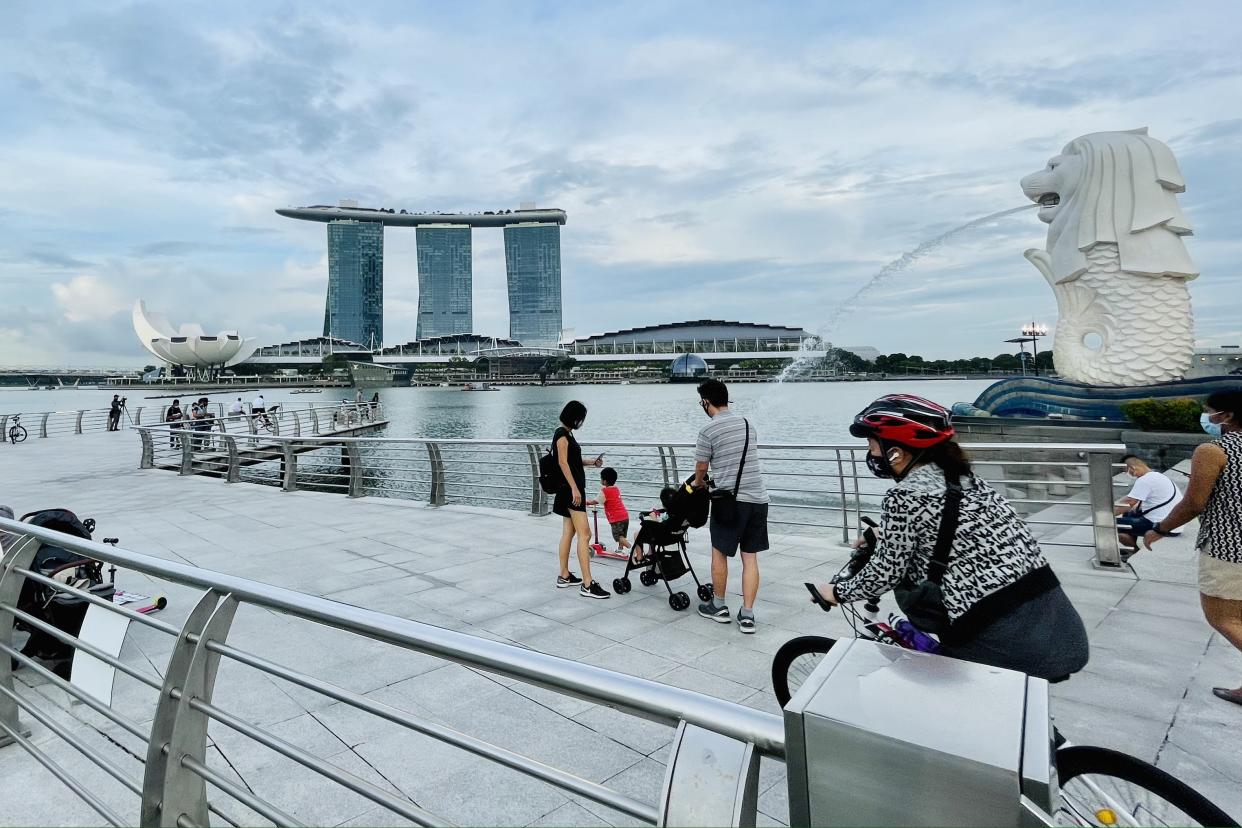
[{"x": 614, "y": 509}]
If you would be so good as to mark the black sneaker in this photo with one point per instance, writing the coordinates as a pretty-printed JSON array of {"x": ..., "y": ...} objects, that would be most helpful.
[
  {"x": 746, "y": 621},
  {"x": 572, "y": 580},
  {"x": 594, "y": 590},
  {"x": 714, "y": 611}
]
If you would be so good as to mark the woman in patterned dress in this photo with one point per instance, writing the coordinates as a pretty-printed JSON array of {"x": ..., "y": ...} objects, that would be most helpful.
[{"x": 1214, "y": 495}]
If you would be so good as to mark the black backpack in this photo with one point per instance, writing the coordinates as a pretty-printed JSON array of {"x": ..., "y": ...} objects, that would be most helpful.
[{"x": 550, "y": 478}]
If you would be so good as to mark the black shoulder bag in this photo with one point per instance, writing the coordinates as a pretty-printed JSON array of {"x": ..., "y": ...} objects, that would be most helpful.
[
  {"x": 724, "y": 502},
  {"x": 923, "y": 602}
]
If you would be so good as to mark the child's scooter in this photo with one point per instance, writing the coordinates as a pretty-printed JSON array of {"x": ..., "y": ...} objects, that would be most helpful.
[{"x": 598, "y": 549}]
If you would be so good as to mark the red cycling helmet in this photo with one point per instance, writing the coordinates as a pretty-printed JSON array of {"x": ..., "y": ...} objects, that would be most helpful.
[{"x": 906, "y": 420}]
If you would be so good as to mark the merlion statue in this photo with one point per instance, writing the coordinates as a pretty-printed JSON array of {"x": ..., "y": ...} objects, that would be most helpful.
[{"x": 1115, "y": 259}]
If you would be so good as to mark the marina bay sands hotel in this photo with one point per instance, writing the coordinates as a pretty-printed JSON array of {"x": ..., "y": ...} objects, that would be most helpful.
[{"x": 355, "y": 305}]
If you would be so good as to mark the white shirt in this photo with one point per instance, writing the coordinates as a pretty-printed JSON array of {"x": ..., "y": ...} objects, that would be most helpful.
[
  {"x": 1153, "y": 489},
  {"x": 236, "y": 408},
  {"x": 258, "y": 402}
]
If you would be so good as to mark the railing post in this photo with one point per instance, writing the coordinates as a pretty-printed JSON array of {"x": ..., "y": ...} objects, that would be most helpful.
[
  {"x": 1103, "y": 520},
  {"x": 711, "y": 779},
  {"x": 43, "y": 424},
  {"x": 234, "y": 471},
  {"x": 138, "y": 415},
  {"x": 148, "y": 449},
  {"x": 275, "y": 421},
  {"x": 437, "y": 474},
  {"x": 672, "y": 462},
  {"x": 288, "y": 467},
  {"x": 169, "y": 790},
  {"x": 77, "y": 423},
  {"x": 538, "y": 501},
  {"x": 297, "y": 425},
  {"x": 353, "y": 459},
  {"x": 4, "y": 428},
  {"x": 250, "y": 424},
  {"x": 21, "y": 556},
  {"x": 189, "y": 435},
  {"x": 845, "y": 509},
  {"x": 664, "y": 467}
]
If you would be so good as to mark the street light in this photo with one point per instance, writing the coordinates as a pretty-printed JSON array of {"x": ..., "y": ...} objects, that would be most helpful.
[{"x": 1033, "y": 332}]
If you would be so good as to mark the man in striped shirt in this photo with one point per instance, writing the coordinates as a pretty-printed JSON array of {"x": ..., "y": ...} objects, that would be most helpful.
[{"x": 727, "y": 445}]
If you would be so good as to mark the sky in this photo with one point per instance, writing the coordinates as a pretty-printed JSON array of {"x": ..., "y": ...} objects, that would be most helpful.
[{"x": 742, "y": 161}]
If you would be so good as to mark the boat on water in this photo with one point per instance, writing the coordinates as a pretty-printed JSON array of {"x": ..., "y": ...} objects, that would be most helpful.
[{"x": 308, "y": 391}]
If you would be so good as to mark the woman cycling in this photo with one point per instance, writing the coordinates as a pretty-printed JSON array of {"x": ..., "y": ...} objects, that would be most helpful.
[
  {"x": 570, "y": 502},
  {"x": 1005, "y": 606}
]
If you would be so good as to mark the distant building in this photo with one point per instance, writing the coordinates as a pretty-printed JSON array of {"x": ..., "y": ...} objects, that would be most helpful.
[
  {"x": 687, "y": 368},
  {"x": 444, "y": 281},
  {"x": 355, "y": 306},
  {"x": 1214, "y": 362},
  {"x": 533, "y": 266},
  {"x": 702, "y": 336}
]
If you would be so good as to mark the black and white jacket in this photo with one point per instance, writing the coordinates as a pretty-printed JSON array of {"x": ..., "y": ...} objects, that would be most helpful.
[{"x": 994, "y": 562}]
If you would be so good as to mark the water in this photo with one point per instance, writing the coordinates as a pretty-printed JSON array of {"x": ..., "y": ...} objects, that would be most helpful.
[
  {"x": 804, "y": 412},
  {"x": 889, "y": 270}
]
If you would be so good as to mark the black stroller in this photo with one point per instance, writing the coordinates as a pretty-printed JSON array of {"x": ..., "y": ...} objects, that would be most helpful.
[
  {"x": 663, "y": 543},
  {"x": 62, "y": 610}
]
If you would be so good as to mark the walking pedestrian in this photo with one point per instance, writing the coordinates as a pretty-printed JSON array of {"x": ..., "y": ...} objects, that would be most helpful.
[
  {"x": 728, "y": 446},
  {"x": 1214, "y": 495},
  {"x": 570, "y": 502}
]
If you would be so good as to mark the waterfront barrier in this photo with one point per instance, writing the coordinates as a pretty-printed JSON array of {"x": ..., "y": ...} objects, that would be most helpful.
[
  {"x": 712, "y": 769},
  {"x": 815, "y": 488},
  {"x": 62, "y": 423}
]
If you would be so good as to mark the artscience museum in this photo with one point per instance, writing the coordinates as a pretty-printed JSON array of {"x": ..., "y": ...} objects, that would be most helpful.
[{"x": 188, "y": 346}]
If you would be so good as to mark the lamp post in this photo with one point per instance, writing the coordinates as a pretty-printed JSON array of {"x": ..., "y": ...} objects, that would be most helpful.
[{"x": 1033, "y": 332}]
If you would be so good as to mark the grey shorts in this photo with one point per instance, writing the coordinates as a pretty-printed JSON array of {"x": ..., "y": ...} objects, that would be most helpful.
[
  {"x": 620, "y": 529},
  {"x": 749, "y": 530}
]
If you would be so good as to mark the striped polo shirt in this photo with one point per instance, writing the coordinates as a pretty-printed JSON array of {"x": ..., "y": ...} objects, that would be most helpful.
[{"x": 720, "y": 445}]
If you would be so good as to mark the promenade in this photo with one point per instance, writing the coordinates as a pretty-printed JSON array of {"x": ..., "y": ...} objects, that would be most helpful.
[{"x": 490, "y": 572}]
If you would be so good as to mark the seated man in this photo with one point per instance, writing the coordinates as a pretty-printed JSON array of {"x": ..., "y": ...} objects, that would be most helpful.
[{"x": 1150, "y": 500}]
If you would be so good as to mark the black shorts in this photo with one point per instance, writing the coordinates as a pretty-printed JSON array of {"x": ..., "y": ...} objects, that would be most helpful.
[
  {"x": 749, "y": 530},
  {"x": 563, "y": 504},
  {"x": 1135, "y": 525}
]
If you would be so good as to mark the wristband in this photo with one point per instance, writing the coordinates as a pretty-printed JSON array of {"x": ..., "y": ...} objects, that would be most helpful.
[{"x": 1159, "y": 531}]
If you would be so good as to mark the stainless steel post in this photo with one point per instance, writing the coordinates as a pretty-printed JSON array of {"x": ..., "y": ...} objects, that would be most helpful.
[
  {"x": 43, "y": 424},
  {"x": 664, "y": 467},
  {"x": 437, "y": 497},
  {"x": 234, "y": 472},
  {"x": 169, "y": 790},
  {"x": 297, "y": 425},
  {"x": 77, "y": 423},
  {"x": 711, "y": 779},
  {"x": 188, "y": 437},
  {"x": 314, "y": 420},
  {"x": 1103, "y": 521},
  {"x": 845, "y": 509},
  {"x": 148, "y": 449},
  {"x": 138, "y": 415},
  {"x": 672, "y": 462},
  {"x": 19, "y": 557},
  {"x": 288, "y": 468},
  {"x": 536, "y": 491},
  {"x": 353, "y": 457}
]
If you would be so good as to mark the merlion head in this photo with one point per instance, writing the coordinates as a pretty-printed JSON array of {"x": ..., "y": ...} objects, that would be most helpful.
[{"x": 1118, "y": 188}]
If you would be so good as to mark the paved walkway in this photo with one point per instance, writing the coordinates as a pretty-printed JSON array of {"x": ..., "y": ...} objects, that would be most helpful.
[{"x": 490, "y": 572}]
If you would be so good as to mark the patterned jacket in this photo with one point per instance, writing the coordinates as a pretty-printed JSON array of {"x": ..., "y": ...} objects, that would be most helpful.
[{"x": 992, "y": 550}]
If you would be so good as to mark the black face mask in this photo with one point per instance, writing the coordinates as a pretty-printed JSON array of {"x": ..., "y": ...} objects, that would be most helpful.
[{"x": 878, "y": 465}]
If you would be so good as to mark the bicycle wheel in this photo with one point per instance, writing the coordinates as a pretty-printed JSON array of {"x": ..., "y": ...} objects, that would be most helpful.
[
  {"x": 17, "y": 433},
  {"x": 794, "y": 663},
  {"x": 1105, "y": 787}
]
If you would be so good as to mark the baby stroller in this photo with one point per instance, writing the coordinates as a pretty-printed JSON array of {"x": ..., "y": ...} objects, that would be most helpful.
[
  {"x": 664, "y": 544},
  {"x": 62, "y": 610}
]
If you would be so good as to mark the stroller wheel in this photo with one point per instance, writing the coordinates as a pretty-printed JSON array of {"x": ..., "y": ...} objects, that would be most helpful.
[
  {"x": 621, "y": 585},
  {"x": 679, "y": 601},
  {"x": 706, "y": 593},
  {"x": 648, "y": 578}
]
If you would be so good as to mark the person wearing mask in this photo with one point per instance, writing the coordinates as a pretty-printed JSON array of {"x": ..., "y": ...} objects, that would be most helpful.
[
  {"x": 173, "y": 416},
  {"x": 1214, "y": 495},
  {"x": 570, "y": 502},
  {"x": 998, "y": 600},
  {"x": 728, "y": 446},
  {"x": 1150, "y": 500}
]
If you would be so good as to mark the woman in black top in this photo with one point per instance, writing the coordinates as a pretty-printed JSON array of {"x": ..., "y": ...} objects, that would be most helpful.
[{"x": 570, "y": 502}]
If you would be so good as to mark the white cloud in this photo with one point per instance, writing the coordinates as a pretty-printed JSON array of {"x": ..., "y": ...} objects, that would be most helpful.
[{"x": 87, "y": 298}]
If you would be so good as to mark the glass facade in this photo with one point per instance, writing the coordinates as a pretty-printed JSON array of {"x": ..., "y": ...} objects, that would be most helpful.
[
  {"x": 355, "y": 306},
  {"x": 533, "y": 266},
  {"x": 444, "y": 281}
]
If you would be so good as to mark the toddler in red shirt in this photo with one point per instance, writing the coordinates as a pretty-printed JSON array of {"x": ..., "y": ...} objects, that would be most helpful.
[{"x": 615, "y": 513}]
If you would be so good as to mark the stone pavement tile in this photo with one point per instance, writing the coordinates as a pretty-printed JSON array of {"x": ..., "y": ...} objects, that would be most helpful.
[
  {"x": 458, "y": 604},
  {"x": 517, "y": 624},
  {"x": 560, "y": 703},
  {"x": 304, "y": 731},
  {"x": 1223, "y": 790},
  {"x": 691, "y": 678},
  {"x": 567, "y": 606},
  {"x": 309, "y": 796},
  {"x": 677, "y": 645},
  {"x": 737, "y": 663},
  {"x": 774, "y": 802},
  {"x": 377, "y": 817},
  {"x": 624, "y": 658},
  {"x": 643, "y": 781},
  {"x": 393, "y": 595},
  {"x": 569, "y": 814},
  {"x": 461, "y": 787},
  {"x": 1166, "y": 600},
  {"x": 252, "y": 696},
  {"x": 617, "y": 624},
  {"x": 354, "y": 726},
  {"x": 1150, "y": 696},
  {"x": 1129, "y": 630},
  {"x": 764, "y": 700},
  {"x": 566, "y": 642},
  {"x": 1115, "y": 727},
  {"x": 442, "y": 690},
  {"x": 46, "y": 801},
  {"x": 642, "y": 735}
]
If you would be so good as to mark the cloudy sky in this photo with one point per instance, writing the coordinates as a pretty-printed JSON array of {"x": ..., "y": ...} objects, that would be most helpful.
[{"x": 755, "y": 162}]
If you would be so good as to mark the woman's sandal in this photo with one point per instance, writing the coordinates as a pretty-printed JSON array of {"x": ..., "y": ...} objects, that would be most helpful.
[{"x": 1228, "y": 695}]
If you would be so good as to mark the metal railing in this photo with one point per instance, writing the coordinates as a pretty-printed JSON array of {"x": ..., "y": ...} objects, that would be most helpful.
[
  {"x": 176, "y": 785},
  {"x": 815, "y": 488},
  {"x": 61, "y": 423}
]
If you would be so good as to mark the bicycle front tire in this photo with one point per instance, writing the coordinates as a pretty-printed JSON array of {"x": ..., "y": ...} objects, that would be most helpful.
[
  {"x": 1098, "y": 782},
  {"x": 794, "y": 662},
  {"x": 17, "y": 434}
]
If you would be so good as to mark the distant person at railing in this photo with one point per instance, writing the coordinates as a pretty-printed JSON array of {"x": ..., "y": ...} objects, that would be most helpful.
[
  {"x": 173, "y": 416},
  {"x": 1214, "y": 495},
  {"x": 237, "y": 408},
  {"x": 993, "y": 599},
  {"x": 729, "y": 447},
  {"x": 114, "y": 413},
  {"x": 358, "y": 398},
  {"x": 201, "y": 421},
  {"x": 259, "y": 405},
  {"x": 374, "y": 404},
  {"x": 1150, "y": 501},
  {"x": 570, "y": 502}
]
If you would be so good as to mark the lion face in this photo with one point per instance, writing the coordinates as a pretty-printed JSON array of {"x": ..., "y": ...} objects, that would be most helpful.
[{"x": 1053, "y": 186}]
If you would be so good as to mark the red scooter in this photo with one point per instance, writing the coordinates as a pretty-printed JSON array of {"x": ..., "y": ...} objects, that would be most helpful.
[{"x": 598, "y": 549}]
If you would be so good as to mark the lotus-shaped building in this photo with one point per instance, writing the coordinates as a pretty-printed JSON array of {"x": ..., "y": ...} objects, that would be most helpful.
[{"x": 188, "y": 346}]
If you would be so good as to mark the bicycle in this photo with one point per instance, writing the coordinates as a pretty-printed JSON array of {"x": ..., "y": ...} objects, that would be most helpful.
[
  {"x": 264, "y": 422},
  {"x": 1098, "y": 786},
  {"x": 17, "y": 432}
]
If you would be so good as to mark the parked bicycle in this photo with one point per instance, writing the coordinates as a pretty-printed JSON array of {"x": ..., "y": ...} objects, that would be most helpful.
[
  {"x": 1098, "y": 786},
  {"x": 17, "y": 432}
]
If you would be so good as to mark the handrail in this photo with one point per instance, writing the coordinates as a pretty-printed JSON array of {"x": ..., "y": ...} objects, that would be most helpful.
[{"x": 185, "y": 704}]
